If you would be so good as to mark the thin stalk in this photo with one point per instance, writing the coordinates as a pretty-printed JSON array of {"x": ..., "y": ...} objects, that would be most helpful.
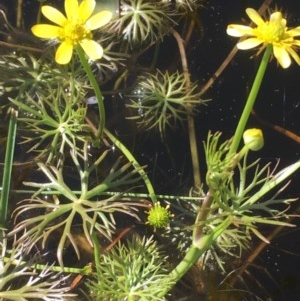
[
  {"x": 8, "y": 162},
  {"x": 94, "y": 83},
  {"x": 250, "y": 101},
  {"x": 135, "y": 163},
  {"x": 97, "y": 253},
  {"x": 126, "y": 152},
  {"x": 190, "y": 118},
  {"x": 112, "y": 193},
  {"x": 86, "y": 270},
  {"x": 202, "y": 216}
]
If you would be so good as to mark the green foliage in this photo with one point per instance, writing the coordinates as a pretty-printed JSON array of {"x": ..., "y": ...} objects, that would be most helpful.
[
  {"x": 142, "y": 20},
  {"x": 96, "y": 211},
  {"x": 56, "y": 122},
  {"x": 219, "y": 165},
  {"x": 162, "y": 100},
  {"x": 21, "y": 282},
  {"x": 52, "y": 122},
  {"x": 239, "y": 193},
  {"x": 23, "y": 75},
  {"x": 135, "y": 271}
]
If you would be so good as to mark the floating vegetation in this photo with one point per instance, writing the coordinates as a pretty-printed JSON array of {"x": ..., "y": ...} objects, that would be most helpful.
[{"x": 80, "y": 212}]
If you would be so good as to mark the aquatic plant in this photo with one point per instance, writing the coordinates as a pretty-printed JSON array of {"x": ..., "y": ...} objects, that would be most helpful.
[
  {"x": 142, "y": 20},
  {"x": 21, "y": 281},
  {"x": 52, "y": 120},
  {"x": 86, "y": 182},
  {"x": 162, "y": 100},
  {"x": 96, "y": 212},
  {"x": 133, "y": 271}
]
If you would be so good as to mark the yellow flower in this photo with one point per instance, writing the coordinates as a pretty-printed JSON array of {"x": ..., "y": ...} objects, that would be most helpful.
[
  {"x": 269, "y": 32},
  {"x": 74, "y": 29}
]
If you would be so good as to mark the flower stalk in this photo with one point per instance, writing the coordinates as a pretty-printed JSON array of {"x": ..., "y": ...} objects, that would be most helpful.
[
  {"x": 250, "y": 101},
  {"x": 97, "y": 90},
  {"x": 135, "y": 163}
]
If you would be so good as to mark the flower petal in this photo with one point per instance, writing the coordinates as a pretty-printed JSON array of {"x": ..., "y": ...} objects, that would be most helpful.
[
  {"x": 46, "y": 31},
  {"x": 294, "y": 32},
  {"x": 92, "y": 49},
  {"x": 99, "y": 20},
  {"x": 72, "y": 9},
  {"x": 53, "y": 15},
  {"x": 277, "y": 18},
  {"x": 282, "y": 56},
  {"x": 249, "y": 43},
  {"x": 254, "y": 16},
  {"x": 236, "y": 30},
  {"x": 294, "y": 54},
  {"x": 295, "y": 43},
  {"x": 86, "y": 9},
  {"x": 64, "y": 53}
]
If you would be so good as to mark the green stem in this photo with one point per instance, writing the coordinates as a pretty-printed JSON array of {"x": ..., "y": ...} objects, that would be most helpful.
[
  {"x": 86, "y": 270},
  {"x": 93, "y": 81},
  {"x": 97, "y": 253},
  {"x": 250, "y": 101},
  {"x": 10, "y": 146},
  {"x": 112, "y": 193},
  {"x": 196, "y": 250},
  {"x": 135, "y": 163},
  {"x": 188, "y": 261}
]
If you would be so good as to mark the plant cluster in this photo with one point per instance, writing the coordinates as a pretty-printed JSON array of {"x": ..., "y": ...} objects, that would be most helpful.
[
  {"x": 162, "y": 100},
  {"x": 86, "y": 191}
]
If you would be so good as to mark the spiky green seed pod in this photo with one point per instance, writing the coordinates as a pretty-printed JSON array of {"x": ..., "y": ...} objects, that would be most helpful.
[{"x": 158, "y": 216}]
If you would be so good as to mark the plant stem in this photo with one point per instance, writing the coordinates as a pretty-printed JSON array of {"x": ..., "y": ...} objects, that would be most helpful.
[
  {"x": 135, "y": 163},
  {"x": 126, "y": 152},
  {"x": 97, "y": 91},
  {"x": 195, "y": 251},
  {"x": 186, "y": 263},
  {"x": 190, "y": 118},
  {"x": 9, "y": 154},
  {"x": 86, "y": 270},
  {"x": 250, "y": 101},
  {"x": 202, "y": 216},
  {"x": 97, "y": 253},
  {"x": 112, "y": 193}
]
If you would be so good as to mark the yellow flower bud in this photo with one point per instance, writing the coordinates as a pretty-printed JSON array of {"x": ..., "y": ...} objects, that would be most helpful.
[{"x": 253, "y": 139}]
